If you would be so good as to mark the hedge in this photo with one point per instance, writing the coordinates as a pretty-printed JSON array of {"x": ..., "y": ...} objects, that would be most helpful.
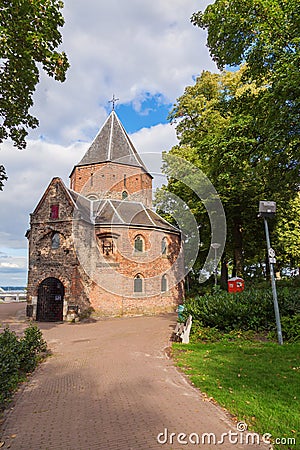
[{"x": 248, "y": 310}]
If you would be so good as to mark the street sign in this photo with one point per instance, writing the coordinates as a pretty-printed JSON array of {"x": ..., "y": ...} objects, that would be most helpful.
[{"x": 271, "y": 252}]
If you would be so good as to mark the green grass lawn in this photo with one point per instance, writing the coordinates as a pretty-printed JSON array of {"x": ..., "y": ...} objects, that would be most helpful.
[{"x": 258, "y": 382}]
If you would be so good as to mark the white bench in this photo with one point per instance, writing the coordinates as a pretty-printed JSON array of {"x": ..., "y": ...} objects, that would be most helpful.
[{"x": 182, "y": 331}]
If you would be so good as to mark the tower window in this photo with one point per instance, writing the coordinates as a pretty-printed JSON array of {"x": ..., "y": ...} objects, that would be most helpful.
[
  {"x": 164, "y": 283},
  {"x": 138, "y": 283},
  {"x": 124, "y": 180},
  {"x": 124, "y": 195},
  {"x": 54, "y": 212},
  {"x": 139, "y": 244},
  {"x": 164, "y": 246},
  {"x": 55, "y": 242}
]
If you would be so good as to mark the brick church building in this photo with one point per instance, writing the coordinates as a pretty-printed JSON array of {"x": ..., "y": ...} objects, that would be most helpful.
[{"x": 98, "y": 246}]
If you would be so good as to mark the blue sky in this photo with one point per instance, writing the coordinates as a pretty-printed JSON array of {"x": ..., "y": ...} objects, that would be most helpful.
[
  {"x": 154, "y": 110},
  {"x": 146, "y": 56}
]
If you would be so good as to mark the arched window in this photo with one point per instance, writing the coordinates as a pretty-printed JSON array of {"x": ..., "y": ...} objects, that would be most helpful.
[
  {"x": 164, "y": 245},
  {"x": 164, "y": 283},
  {"x": 55, "y": 242},
  {"x": 138, "y": 283},
  {"x": 139, "y": 244},
  {"x": 124, "y": 195}
]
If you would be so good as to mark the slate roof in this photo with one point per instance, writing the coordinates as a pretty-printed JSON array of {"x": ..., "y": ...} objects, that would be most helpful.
[
  {"x": 108, "y": 212},
  {"x": 112, "y": 144},
  {"x": 83, "y": 205},
  {"x": 129, "y": 213}
]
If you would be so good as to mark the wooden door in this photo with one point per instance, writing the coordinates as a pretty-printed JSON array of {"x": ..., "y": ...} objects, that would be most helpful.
[{"x": 50, "y": 300}]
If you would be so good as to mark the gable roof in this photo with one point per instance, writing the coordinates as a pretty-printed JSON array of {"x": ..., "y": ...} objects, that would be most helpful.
[
  {"x": 79, "y": 203},
  {"x": 56, "y": 181},
  {"x": 112, "y": 144}
]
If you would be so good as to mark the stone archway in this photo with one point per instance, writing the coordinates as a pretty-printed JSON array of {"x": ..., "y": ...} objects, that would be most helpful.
[{"x": 50, "y": 300}]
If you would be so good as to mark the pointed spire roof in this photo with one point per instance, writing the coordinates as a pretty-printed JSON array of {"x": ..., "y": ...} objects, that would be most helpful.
[{"x": 112, "y": 144}]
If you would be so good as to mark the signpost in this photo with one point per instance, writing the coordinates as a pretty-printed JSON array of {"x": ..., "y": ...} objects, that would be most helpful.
[{"x": 268, "y": 209}]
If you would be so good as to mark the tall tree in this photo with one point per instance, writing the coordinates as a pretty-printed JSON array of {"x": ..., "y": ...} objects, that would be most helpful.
[
  {"x": 266, "y": 35},
  {"x": 29, "y": 35},
  {"x": 218, "y": 132}
]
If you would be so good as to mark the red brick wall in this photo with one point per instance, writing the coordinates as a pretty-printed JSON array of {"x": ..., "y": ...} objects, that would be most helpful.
[
  {"x": 106, "y": 304},
  {"x": 109, "y": 180},
  {"x": 113, "y": 290}
]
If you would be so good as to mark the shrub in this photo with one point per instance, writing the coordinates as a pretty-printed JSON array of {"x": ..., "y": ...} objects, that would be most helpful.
[
  {"x": 290, "y": 327},
  {"x": 32, "y": 345},
  {"x": 18, "y": 356},
  {"x": 9, "y": 363}
]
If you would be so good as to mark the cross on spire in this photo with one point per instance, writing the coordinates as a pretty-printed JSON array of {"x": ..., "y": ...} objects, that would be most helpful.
[{"x": 113, "y": 101}]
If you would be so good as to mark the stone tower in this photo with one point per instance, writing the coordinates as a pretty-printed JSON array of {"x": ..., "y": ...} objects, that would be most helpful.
[{"x": 112, "y": 168}]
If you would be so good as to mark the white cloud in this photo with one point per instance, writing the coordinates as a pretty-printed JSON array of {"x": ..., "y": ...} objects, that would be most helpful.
[
  {"x": 154, "y": 139},
  {"x": 9, "y": 265},
  {"x": 13, "y": 271},
  {"x": 29, "y": 173},
  {"x": 126, "y": 48},
  {"x": 150, "y": 143}
]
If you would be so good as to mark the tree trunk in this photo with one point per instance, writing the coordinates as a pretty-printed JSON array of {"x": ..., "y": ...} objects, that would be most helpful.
[
  {"x": 238, "y": 258},
  {"x": 224, "y": 273}
]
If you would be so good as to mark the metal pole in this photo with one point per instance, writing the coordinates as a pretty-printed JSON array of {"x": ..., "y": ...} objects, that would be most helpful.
[{"x": 276, "y": 308}]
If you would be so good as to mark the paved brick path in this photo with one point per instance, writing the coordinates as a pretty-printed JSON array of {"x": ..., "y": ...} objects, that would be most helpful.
[
  {"x": 13, "y": 315},
  {"x": 109, "y": 385}
]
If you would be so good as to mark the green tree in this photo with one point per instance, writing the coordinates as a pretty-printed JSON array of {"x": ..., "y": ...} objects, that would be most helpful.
[
  {"x": 218, "y": 132},
  {"x": 266, "y": 35},
  {"x": 29, "y": 35},
  {"x": 287, "y": 234}
]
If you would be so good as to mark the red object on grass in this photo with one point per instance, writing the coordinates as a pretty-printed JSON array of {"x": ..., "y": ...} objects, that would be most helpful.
[{"x": 236, "y": 284}]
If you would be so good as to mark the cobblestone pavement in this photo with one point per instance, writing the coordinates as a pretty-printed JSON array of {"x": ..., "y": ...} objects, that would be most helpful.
[{"x": 110, "y": 385}]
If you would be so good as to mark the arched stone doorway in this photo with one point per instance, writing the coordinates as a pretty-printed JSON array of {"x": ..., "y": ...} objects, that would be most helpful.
[{"x": 50, "y": 300}]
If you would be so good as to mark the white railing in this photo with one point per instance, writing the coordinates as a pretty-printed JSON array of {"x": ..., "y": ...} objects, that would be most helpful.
[{"x": 13, "y": 296}]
